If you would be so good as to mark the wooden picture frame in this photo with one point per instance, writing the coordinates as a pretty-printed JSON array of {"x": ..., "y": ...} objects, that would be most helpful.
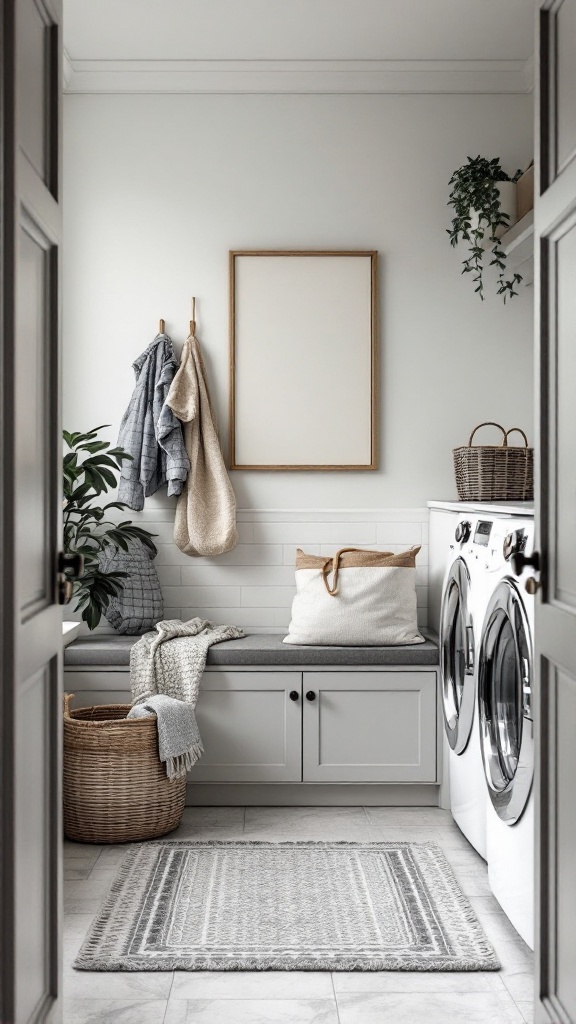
[{"x": 303, "y": 359}]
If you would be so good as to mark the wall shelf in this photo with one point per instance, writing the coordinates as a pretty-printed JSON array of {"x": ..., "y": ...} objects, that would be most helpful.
[{"x": 518, "y": 244}]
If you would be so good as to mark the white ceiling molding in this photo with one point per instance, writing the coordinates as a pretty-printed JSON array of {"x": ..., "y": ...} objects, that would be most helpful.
[{"x": 297, "y": 76}]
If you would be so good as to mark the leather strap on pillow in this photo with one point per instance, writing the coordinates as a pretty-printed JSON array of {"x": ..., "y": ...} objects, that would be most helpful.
[
  {"x": 335, "y": 564},
  {"x": 357, "y": 558}
]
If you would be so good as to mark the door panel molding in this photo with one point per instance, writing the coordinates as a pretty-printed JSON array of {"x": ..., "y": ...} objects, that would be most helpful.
[
  {"x": 551, "y": 65},
  {"x": 555, "y": 612},
  {"x": 550, "y": 253},
  {"x": 553, "y": 680}
]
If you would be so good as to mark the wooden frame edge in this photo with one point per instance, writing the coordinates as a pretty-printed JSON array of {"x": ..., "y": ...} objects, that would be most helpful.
[{"x": 372, "y": 254}]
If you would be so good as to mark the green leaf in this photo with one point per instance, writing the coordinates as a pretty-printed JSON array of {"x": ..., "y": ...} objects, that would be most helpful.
[{"x": 94, "y": 446}]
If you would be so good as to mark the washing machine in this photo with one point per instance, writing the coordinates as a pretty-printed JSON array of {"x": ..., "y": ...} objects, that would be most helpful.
[
  {"x": 460, "y": 621},
  {"x": 505, "y": 710}
]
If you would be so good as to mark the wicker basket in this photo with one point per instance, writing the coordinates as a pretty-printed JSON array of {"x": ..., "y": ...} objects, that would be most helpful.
[
  {"x": 492, "y": 472},
  {"x": 115, "y": 786}
]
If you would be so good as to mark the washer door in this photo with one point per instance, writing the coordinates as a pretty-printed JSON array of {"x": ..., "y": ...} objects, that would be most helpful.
[
  {"x": 504, "y": 702},
  {"x": 457, "y": 657}
]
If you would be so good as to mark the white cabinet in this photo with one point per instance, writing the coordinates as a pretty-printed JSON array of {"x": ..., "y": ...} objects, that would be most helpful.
[
  {"x": 369, "y": 726},
  {"x": 257, "y": 725},
  {"x": 251, "y": 727},
  {"x": 97, "y": 686}
]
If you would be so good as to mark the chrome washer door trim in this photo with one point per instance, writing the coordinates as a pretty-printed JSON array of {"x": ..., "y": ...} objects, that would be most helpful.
[
  {"x": 457, "y": 657},
  {"x": 505, "y": 702}
]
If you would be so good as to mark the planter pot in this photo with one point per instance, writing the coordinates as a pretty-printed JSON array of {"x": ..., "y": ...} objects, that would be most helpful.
[
  {"x": 508, "y": 204},
  {"x": 525, "y": 192}
]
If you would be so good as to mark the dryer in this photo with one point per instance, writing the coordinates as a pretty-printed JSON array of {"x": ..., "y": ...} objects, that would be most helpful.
[
  {"x": 505, "y": 671},
  {"x": 460, "y": 621}
]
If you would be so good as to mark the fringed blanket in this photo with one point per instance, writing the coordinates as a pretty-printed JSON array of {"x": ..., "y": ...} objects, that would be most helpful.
[
  {"x": 171, "y": 661},
  {"x": 179, "y": 743}
]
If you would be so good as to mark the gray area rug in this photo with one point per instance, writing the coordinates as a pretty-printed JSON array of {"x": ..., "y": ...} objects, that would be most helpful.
[{"x": 252, "y": 906}]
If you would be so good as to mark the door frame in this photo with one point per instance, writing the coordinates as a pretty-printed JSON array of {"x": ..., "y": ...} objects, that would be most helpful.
[
  {"x": 7, "y": 561},
  {"x": 25, "y": 191}
]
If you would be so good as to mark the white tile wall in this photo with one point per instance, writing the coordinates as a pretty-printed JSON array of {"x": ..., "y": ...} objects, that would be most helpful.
[{"x": 253, "y": 585}]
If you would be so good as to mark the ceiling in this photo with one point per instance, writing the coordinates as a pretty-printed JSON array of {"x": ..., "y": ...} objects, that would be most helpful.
[
  {"x": 298, "y": 29},
  {"x": 298, "y": 46}
]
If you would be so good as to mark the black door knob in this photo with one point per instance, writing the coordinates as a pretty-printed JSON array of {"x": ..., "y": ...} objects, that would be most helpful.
[
  {"x": 310, "y": 695},
  {"x": 519, "y": 561},
  {"x": 294, "y": 694},
  {"x": 71, "y": 564}
]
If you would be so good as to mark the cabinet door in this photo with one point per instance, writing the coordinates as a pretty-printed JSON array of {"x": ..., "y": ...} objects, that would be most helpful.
[
  {"x": 369, "y": 727},
  {"x": 98, "y": 687},
  {"x": 250, "y": 727}
]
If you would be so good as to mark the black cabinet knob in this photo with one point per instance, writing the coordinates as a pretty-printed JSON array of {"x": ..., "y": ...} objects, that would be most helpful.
[
  {"x": 294, "y": 694},
  {"x": 310, "y": 695}
]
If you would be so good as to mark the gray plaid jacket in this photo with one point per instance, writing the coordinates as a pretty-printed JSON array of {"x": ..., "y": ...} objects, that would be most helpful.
[{"x": 150, "y": 432}]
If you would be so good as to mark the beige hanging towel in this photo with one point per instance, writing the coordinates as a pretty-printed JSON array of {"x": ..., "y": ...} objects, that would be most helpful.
[{"x": 206, "y": 510}]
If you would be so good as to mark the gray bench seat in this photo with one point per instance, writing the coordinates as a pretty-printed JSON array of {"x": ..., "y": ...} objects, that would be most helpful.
[{"x": 260, "y": 649}]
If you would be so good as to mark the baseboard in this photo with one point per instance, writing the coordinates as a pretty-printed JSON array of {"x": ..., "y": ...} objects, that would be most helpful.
[{"x": 310, "y": 794}]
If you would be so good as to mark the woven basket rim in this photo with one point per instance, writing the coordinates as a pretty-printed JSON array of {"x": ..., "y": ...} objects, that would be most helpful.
[
  {"x": 494, "y": 447},
  {"x": 71, "y": 719}
]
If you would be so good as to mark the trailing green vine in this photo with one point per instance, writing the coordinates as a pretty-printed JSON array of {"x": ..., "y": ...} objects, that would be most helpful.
[{"x": 478, "y": 214}]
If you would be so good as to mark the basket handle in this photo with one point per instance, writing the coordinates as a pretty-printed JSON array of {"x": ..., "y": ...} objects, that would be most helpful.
[
  {"x": 520, "y": 431},
  {"x": 68, "y": 698},
  {"x": 491, "y": 423}
]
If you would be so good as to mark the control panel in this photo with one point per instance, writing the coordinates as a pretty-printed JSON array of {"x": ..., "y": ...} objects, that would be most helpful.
[{"x": 482, "y": 532}]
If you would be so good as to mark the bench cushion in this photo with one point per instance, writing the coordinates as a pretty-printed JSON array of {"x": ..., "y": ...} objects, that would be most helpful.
[{"x": 259, "y": 649}]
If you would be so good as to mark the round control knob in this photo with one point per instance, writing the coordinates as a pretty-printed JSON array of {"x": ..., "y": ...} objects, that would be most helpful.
[
  {"x": 294, "y": 694},
  {"x": 310, "y": 695},
  {"x": 512, "y": 543},
  {"x": 462, "y": 532}
]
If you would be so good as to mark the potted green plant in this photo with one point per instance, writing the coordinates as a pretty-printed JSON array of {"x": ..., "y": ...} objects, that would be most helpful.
[
  {"x": 90, "y": 469},
  {"x": 483, "y": 197}
]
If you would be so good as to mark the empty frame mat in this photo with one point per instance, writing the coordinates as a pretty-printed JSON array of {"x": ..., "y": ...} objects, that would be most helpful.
[{"x": 303, "y": 354}]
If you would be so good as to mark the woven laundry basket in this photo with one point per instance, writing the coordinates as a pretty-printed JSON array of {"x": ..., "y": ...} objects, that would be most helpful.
[
  {"x": 495, "y": 472},
  {"x": 115, "y": 786}
]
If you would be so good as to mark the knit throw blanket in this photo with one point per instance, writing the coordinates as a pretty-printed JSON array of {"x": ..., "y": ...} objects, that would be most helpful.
[
  {"x": 179, "y": 743},
  {"x": 171, "y": 660}
]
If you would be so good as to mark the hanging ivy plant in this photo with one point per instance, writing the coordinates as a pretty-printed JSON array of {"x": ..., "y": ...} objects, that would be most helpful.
[{"x": 478, "y": 215}]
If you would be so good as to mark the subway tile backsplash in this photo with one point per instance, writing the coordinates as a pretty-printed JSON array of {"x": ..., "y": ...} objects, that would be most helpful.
[{"x": 252, "y": 586}]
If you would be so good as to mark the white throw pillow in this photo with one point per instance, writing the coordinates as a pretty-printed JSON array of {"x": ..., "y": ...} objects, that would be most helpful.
[{"x": 357, "y": 598}]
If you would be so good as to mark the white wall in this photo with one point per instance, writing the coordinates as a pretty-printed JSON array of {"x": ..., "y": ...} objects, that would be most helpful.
[{"x": 159, "y": 188}]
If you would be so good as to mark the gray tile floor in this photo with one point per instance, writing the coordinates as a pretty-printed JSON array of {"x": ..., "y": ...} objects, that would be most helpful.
[{"x": 504, "y": 997}]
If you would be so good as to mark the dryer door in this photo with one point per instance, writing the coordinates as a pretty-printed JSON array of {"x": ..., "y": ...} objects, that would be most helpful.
[
  {"x": 457, "y": 657},
  {"x": 504, "y": 702}
]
